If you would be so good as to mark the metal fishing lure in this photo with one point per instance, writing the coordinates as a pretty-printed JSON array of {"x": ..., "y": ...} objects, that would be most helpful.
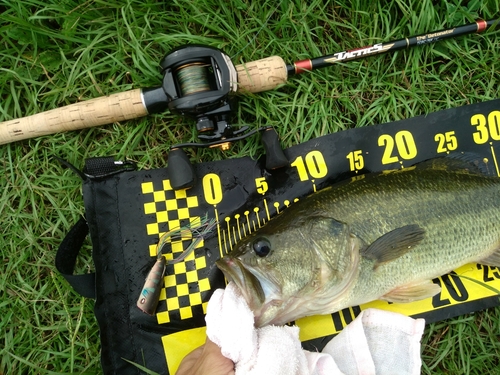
[{"x": 150, "y": 293}]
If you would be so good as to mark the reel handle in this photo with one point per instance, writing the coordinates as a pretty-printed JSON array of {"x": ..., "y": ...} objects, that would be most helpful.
[{"x": 94, "y": 112}]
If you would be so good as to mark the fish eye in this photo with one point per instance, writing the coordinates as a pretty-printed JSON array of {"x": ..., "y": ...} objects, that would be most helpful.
[{"x": 262, "y": 247}]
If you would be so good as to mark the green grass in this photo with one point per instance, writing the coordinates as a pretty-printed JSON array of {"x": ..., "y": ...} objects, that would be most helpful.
[{"x": 57, "y": 52}]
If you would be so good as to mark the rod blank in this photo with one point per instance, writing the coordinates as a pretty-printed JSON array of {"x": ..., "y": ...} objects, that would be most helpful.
[{"x": 377, "y": 49}]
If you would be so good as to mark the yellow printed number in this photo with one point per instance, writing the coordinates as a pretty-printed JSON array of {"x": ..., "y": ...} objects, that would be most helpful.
[
  {"x": 212, "y": 188},
  {"x": 356, "y": 160},
  {"x": 402, "y": 142},
  {"x": 446, "y": 142},
  {"x": 261, "y": 185},
  {"x": 312, "y": 165},
  {"x": 486, "y": 127}
]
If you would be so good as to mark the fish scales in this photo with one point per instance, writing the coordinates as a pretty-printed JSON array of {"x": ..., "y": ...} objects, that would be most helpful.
[
  {"x": 379, "y": 236},
  {"x": 464, "y": 218}
]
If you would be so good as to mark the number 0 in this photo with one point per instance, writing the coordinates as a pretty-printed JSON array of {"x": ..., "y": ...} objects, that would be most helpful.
[
  {"x": 316, "y": 164},
  {"x": 406, "y": 145},
  {"x": 212, "y": 188}
]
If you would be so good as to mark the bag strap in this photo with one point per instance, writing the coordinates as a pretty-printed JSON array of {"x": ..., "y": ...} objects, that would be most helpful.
[
  {"x": 66, "y": 259},
  {"x": 68, "y": 251}
]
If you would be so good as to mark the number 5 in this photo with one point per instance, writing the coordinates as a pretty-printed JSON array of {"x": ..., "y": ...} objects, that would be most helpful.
[{"x": 261, "y": 185}]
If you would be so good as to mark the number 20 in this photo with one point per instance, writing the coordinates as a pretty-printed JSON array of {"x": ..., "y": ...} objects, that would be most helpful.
[{"x": 403, "y": 142}]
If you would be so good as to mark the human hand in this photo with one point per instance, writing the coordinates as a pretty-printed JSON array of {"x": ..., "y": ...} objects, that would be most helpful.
[{"x": 206, "y": 360}]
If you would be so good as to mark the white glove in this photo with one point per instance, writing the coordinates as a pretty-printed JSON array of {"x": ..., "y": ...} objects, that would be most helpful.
[{"x": 376, "y": 342}]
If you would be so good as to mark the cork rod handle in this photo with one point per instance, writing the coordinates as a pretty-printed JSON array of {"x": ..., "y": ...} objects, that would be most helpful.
[
  {"x": 99, "y": 111},
  {"x": 261, "y": 75}
]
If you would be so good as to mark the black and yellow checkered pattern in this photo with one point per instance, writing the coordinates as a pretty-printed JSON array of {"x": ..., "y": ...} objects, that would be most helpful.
[{"x": 183, "y": 285}]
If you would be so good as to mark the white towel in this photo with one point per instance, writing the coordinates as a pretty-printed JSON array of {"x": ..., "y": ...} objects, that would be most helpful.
[{"x": 376, "y": 342}]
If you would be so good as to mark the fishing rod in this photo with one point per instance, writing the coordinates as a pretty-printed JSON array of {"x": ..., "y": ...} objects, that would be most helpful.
[{"x": 197, "y": 82}]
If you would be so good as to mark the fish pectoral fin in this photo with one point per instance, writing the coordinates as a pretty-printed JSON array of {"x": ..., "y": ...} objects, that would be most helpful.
[
  {"x": 412, "y": 292},
  {"x": 493, "y": 260},
  {"x": 394, "y": 244}
]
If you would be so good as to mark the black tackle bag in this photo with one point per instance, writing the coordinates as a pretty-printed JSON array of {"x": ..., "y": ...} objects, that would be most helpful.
[{"x": 127, "y": 210}]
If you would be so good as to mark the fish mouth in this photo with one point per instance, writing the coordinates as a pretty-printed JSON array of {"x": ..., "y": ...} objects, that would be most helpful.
[{"x": 255, "y": 288}]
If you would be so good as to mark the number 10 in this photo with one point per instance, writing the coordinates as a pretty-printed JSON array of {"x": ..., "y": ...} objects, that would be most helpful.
[{"x": 313, "y": 165}]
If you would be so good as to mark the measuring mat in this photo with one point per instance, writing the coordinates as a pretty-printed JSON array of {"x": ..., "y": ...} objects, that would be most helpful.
[{"x": 131, "y": 210}]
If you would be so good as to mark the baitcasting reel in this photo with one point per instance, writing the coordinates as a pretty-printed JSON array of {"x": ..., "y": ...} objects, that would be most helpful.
[{"x": 198, "y": 82}]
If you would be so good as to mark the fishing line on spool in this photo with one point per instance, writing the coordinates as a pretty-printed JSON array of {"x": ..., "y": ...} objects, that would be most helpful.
[{"x": 194, "y": 78}]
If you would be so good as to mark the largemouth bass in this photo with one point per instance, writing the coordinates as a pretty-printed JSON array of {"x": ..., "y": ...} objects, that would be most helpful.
[{"x": 384, "y": 236}]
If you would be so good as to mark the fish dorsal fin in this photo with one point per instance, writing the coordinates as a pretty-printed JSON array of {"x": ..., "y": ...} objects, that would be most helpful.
[
  {"x": 412, "y": 292},
  {"x": 492, "y": 260},
  {"x": 465, "y": 162},
  {"x": 393, "y": 244}
]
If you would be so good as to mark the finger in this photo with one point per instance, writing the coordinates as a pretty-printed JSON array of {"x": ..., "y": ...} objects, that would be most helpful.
[
  {"x": 189, "y": 361},
  {"x": 219, "y": 364},
  {"x": 211, "y": 347}
]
